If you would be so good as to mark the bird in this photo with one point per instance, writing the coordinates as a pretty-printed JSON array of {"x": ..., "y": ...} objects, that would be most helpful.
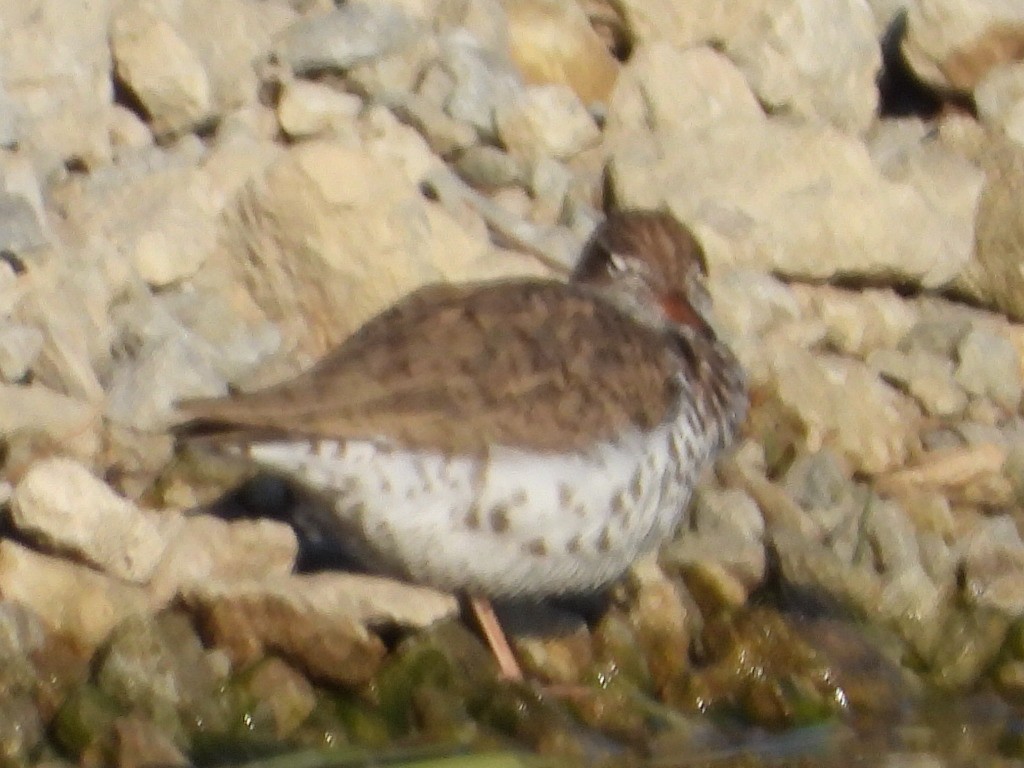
[{"x": 518, "y": 438}]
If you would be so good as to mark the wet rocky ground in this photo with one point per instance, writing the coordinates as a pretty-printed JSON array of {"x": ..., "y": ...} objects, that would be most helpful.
[{"x": 197, "y": 194}]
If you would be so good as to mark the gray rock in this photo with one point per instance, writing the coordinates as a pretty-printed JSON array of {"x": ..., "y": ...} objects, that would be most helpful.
[
  {"x": 989, "y": 366},
  {"x": 348, "y": 35},
  {"x": 819, "y": 62},
  {"x": 62, "y": 507},
  {"x": 20, "y": 227},
  {"x": 926, "y": 377},
  {"x": 74, "y": 599},
  {"x": 816, "y": 480},
  {"x": 545, "y": 121},
  {"x": 489, "y": 167},
  {"x": 481, "y": 82},
  {"x": 158, "y": 667}
]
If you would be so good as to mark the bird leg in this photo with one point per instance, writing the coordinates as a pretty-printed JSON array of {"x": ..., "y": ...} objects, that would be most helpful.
[{"x": 495, "y": 637}]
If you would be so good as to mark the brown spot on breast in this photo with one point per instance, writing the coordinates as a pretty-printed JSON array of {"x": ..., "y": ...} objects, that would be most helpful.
[
  {"x": 356, "y": 513},
  {"x": 517, "y": 499},
  {"x": 472, "y": 519},
  {"x": 565, "y": 495},
  {"x": 573, "y": 545},
  {"x": 619, "y": 505},
  {"x": 636, "y": 486},
  {"x": 604, "y": 541},
  {"x": 536, "y": 547},
  {"x": 498, "y": 518}
]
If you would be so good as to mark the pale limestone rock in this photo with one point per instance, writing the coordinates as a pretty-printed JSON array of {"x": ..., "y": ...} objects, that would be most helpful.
[
  {"x": 307, "y": 109},
  {"x": 202, "y": 549},
  {"x": 815, "y": 61},
  {"x": 62, "y": 420},
  {"x": 19, "y": 347},
  {"x": 551, "y": 41},
  {"x": 857, "y": 322},
  {"x": 815, "y": 396},
  {"x": 69, "y": 598},
  {"x": 229, "y": 36},
  {"x": 993, "y": 277},
  {"x": 56, "y": 72},
  {"x": 953, "y": 44},
  {"x": 803, "y": 201},
  {"x": 926, "y": 377},
  {"x": 1000, "y": 100},
  {"x": 663, "y": 88},
  {"x": 545, "y": 121},
  {"x": 160, "y": 68},
  {"x": 61, "y": 506},
  {"x": 683, "y": 24},
  {"x": 394, "y": 240},
  {"x": 318, "y": 622}
]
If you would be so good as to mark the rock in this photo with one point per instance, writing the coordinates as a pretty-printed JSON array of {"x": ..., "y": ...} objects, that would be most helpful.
[
  {"x": 926, "y": 377},
  {"x": 317, "y": 622},
  {"x": 137, "y": 741},
  {"x": 164, "y": 222},
  {"x": 228, "y": 37},
  {"x": 21, "y": 729},
  {"x": 812, "y": 395},
  {"x": 813, "y": 61},
  {"x": 681, "y": 24},
  {"x": 204, "y": 549},
  {"x": 489, "y": 167},
  {"x": 284, "y": 697},
  {"x": 552, "y": 42},
  {"x": 992, "y": 277},
  {"x": 857, "y": 322},
  {"x": 1000, "y": 100},
  {"x": 479, "y": 82},
  {"x": 20, "y": 345},
  {"x": 444, "y": 134},
  {"x": 175, "y": 346},
  {"x": 993, "y": 563},
  {"x": 394, "y": 242},
  {"x": 953, "y": 45},
  {"x": 157, "y": 667},
  {"x": 37, "y": 412},
  {"x": 307, "y": 109},
  {"x": 659, "y": 616},
  {"x": 990, "y": 366},
  {"x": 56, "y": 74},
  {"x": 545, "y": 121},
  {"x": 345, "y": 36},
  {"x": 768, "y": 199},
  {"x": 663, "y": 88},
  {"x": 160, "y": 68},
  {"x": 724, "y": 541},
  {"x": 59, "y": 505},
  {"x": 72, "y": 599},
  {"x": 20, "y": 227}
]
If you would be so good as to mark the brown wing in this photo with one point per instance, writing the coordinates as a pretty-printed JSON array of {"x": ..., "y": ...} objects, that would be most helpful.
[{"x": 534, "y": 364}]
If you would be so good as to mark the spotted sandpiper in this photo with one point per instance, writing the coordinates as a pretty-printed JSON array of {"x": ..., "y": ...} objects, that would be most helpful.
[{"x": 525, "y": 437}]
